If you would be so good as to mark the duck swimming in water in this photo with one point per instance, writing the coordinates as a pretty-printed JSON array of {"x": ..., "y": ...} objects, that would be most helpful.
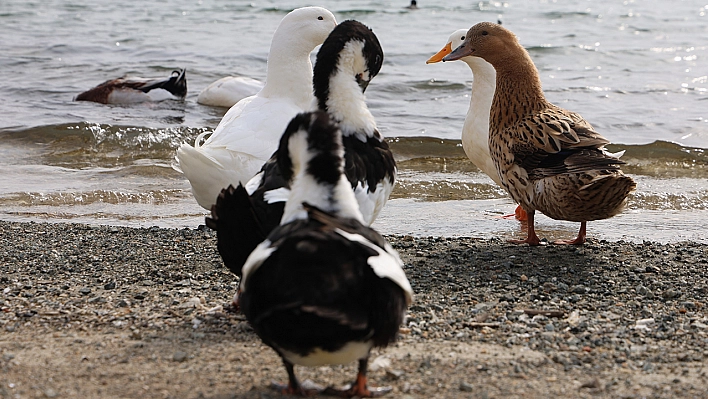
[{"x": 131, "y": 90}]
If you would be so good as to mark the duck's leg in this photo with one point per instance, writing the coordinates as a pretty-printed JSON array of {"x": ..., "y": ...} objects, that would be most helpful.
[
  {"x": 519, "y": 214},
  {"x": 579, "y": 240},
  {"x": 236, "y": 301},
  {"x": 359, "y": 387},
  {"x": 531, "y": 237},
  {"x": 294, "y": 387}
]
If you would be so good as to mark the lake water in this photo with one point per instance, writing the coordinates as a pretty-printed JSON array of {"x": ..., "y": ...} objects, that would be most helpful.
[{"x": 638, "y": 71}]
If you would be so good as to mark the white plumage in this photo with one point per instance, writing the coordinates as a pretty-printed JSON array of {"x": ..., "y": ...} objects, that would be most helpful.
[
  {"x": 229, "y": 90},
  {"x": 249, "y": 132}
]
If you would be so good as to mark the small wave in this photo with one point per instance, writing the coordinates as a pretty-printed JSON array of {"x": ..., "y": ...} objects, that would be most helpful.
[
  {"x": 567, "y": 14},
  {"x": 355, "y": 12},
  {"x": 669, "y": 201},
  {"x": 156, "y": 197},
  {"x": 658, "y": 159},
  {"x": 87, "y": 145}
]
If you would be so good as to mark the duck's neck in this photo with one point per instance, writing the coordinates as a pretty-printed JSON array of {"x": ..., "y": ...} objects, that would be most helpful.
[
  {"x": 483, "y": 87},
  {"x": 518, "y": 89},
  {"x": 336, "y": 199},
  {"x": 289, "y": 69},
  {"x": 346, "y": 104}
]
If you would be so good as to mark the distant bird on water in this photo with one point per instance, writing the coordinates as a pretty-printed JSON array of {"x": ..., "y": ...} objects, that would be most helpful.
[
  {"x": 413, "y": 5},
  {"x": 548, "y": 159},
  {"x": 323, "y": 288},
  {"x": 130, "y": 90}
]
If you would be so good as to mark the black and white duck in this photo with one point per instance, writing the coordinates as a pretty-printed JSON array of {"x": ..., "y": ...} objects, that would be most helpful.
[
  {"x": 347, "y": 61},
  {"x": 323, "y": 288}
]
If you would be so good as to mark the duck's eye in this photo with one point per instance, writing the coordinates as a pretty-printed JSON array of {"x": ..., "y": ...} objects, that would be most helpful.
[
  {"x": 462, "y": 38},
  {"x": 320, "y": 18},
  {"x": 484, "y": 33}
]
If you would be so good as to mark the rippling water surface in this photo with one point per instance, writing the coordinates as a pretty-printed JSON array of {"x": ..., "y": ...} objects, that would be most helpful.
[{"x": 638, "y": 71}]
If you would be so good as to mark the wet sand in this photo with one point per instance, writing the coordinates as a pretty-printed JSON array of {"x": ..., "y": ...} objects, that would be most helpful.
[{"x": 117, "y": 312}]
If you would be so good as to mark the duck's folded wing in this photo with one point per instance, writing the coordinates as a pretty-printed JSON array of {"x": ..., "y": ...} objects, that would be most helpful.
[
  {"x": 547, "y": 139},
  {"x": 254, "y": 129}
]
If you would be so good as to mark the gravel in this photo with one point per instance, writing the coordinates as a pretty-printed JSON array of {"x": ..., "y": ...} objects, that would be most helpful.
[{"x": 113, "y": 312}]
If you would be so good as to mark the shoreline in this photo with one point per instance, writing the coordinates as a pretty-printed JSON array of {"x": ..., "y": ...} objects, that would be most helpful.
[{"x": 116, "y": 312}]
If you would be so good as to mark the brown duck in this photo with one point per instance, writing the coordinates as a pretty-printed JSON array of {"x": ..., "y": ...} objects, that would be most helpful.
[{"x": 548, "y": 158}]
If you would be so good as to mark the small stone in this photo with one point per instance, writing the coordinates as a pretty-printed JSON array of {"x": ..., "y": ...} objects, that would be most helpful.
[
  {"x": 123, "y": 303},
  {"x": 395, "y": 374},
  {"x": 549, "y": 287},
  {"x": 466, "y": 387},
  {"x": 179, "y": 356},
  {"x": 110, "y": 286},
  {"x": 592, "y": 384},
  {"x": 549, "y": 327},
  {"x": 524, "y": 278},
  {"x": 578, "y": 289},
  {"x": 50, "y": 393},
  {"x": 85, "y": 291}
]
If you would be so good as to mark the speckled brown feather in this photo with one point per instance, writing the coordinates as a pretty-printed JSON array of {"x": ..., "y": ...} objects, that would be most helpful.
[{"x": 549, "y": 159}]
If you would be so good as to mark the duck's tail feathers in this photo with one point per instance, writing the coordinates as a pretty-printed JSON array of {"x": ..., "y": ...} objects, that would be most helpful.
[
  {"x": 238, "y": 231},
  {"x": 610, "y": 190},
  {"x": 176, "y": 84},
  {"x": 205, "y": 174}
]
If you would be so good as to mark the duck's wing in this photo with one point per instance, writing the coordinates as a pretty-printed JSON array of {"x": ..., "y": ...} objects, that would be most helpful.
[
  {"x": 547, "y": 139},
  {"x": 385, "y": 262},
  {"x": 339, "y": 285},
  {"x": 253, "y": 126},
  {"x": 371, "y": 170},
  {"x": 238, "y": 230}
]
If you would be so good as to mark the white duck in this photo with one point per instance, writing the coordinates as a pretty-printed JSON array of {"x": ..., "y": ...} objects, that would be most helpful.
[
  {"x": 229, "y": 90},
  {"x": 347, "y": 62},
  {"x": 249, "y": 132},
  {"x": 475, "y": 131}
]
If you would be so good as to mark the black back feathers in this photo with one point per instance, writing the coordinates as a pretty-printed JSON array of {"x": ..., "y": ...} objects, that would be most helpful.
[{"x": 324, "y": 143}]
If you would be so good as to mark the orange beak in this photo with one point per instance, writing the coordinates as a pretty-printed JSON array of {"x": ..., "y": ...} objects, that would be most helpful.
[{"x": 440, "y": 54}]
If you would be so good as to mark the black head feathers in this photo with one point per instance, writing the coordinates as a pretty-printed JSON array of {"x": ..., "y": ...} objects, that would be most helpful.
[{"x": 329, "y": 56}]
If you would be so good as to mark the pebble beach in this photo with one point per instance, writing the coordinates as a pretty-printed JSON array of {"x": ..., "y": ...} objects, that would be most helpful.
[{"x": 117, "y": 312}]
